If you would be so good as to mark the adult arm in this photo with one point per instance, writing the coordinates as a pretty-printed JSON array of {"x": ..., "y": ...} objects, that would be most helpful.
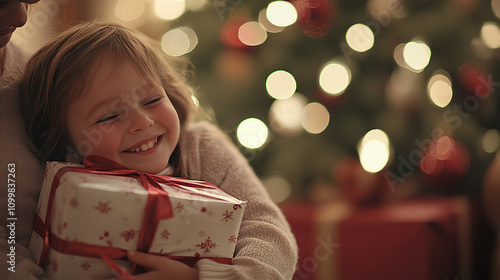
[{"x": 266, "y": 248}]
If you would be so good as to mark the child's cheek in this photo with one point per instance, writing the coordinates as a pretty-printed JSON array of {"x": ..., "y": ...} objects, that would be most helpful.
[{"x": 105, "y": 140}]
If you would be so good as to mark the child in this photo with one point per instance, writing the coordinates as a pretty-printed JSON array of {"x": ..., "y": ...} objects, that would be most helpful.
[{"x": 102, "y": 89}]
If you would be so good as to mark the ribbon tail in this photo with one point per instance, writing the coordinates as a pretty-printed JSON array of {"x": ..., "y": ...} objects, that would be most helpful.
[{"x": 117, "y": 270}]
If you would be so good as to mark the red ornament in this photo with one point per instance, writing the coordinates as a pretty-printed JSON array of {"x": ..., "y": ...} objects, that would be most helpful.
[
  {"x": 229, "y": 33},
  {"x": 476, "y": 80},
  {"x": 445, "y": 162},
  {"x": 358, "y": 186},
  {"x": 315, "y": 16}
]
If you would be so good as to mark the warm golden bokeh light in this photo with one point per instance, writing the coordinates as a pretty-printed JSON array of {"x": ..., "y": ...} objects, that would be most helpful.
[
  {"x": 491, "y": 141},
  {"x": 280, "y": 84},
  {"x": 374, "y": 150},
  {"x": 129, "y": 10},
  {"x": 334, "y": 78},
  {"x": 439, "y": 90},
  {"x": 315, "y": 118},
  {"x": 179, "y": 41},
  {"x": 252, "y": 33},
  {"x": 252, "y": 133},
  {"x": 360, "y": 37},
  {"x": 281, "y": 13},
  {"x": 285, "y": 116},
  {"x": 416, "y": 55},
  {"x": 490, "y": 35},
  {"x": 169, "y": 9}
]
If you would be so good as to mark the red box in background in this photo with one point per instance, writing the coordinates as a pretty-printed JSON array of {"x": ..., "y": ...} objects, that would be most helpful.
[{"x": 428, "y": 238}]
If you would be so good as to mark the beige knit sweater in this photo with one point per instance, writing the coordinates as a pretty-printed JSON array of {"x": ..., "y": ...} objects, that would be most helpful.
[
  {"x": 14, "y": 148},
  {"x": 266, "y": 248}
]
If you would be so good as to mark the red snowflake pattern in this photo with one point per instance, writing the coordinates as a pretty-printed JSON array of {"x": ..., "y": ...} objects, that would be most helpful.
[
  {"x": 106, "y": 236},
  {"x": 129, "y": 234},
  {"x": 227, "y": 216},
  {"x": 179, "y": 207},
  {"x": 74, "y": 202},
  {"x": 103, "y": 208},
  {"x": 232, "y": 239},
  {"x": 206, "y": 246},
  {"x": 165, "y": 234},
  {"x": 85, "y": 265}
]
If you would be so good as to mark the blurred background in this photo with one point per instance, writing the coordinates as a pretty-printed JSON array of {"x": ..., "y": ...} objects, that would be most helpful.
[{"x": 370, "y": 99}]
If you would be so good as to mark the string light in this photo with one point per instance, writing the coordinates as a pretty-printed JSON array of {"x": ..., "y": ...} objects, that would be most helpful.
[
  {"x": 285, "y": 116},
  {"x": 281, "y": 13},
  {"x": 495, "y": 7},
  {"x": 252, "y": 33},
  {"x": 416, "y": 55},
  {"x": 129, "y": 10},
  {"x": 169, "y": 9},
  {"x": 360, "y": 37},
  {"x": 252, "y": 133},
  {"x": 315, "y": 118},
  {"x": 374, "y": 150},
  {"x": 439, "y": 89},
  {"x": 179, "y": 41},
  {"x": 334, "y": 78},
  {"x": 490, "y": 35},
  {"x": 278, "y": 188},
  {"x": 271, "y": 28},
  {"x": 280, "y": 84},
  {"x": 491, "y": 141}
]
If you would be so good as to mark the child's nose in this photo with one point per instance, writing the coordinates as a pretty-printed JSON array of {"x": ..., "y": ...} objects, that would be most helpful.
[{"x": 140, "y": 121}]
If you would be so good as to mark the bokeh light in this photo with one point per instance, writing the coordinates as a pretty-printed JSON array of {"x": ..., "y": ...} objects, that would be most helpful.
[
  {"x": 252, "y": 133},
  {"x": 196, "y": 5},
  {"x": 315, "y": 118},
  {"x": 278, "y": 188},
  {"x": 285, "y": 116},
  {"x": 179, "y": 41},
  {"x": 490, "y": 35},
  {"x": 334, "y": 78},
  {"x": 440, "y": 90},
  {"x": 271, "y": 28},
  {"x": 360, "y": 37},
  {"x": 417, "y": 55},
  {"x": 398, "y": 55},
  {"x": 129, "y": 10},
  {"x": 252, "y": 33},
  {"x": 495, "y": 6},
  {"x": 169, "y": 9},
  {"x": 374, "y": 150},
  {"x": 281, "y": 13},
  {"x": 280, "y": 84},
  {"x": 491, "y": 141}
]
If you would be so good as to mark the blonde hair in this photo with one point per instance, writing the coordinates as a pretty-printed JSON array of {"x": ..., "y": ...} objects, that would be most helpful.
[{"x": 57, "y": 74}]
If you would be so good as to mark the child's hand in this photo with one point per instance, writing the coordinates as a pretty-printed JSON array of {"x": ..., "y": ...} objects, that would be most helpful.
[{"x": 161, "y": 268}]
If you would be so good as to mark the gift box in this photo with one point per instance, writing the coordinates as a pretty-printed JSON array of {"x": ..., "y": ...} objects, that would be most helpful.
[
  {"x": 88, "y": 217},
  {"x": 425, "y": 238}
]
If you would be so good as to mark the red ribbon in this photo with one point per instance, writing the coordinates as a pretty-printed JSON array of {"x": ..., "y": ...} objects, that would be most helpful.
[{"x": 102, "y": 166}]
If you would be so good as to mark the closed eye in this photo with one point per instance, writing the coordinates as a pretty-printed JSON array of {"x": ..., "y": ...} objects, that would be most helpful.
[
  {"x": 153, "y": 101},
  {"x": 107, "y": 119}
]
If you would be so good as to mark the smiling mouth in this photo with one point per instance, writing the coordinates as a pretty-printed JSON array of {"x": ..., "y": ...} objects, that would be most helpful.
[{"x": 144, "y": 147}]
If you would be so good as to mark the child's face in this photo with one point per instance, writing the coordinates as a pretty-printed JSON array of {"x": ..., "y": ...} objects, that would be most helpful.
[{"x": 125, "y": 118}]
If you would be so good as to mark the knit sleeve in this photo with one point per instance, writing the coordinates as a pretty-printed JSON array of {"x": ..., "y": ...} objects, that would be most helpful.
[{"x": 266, "y": 248}]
